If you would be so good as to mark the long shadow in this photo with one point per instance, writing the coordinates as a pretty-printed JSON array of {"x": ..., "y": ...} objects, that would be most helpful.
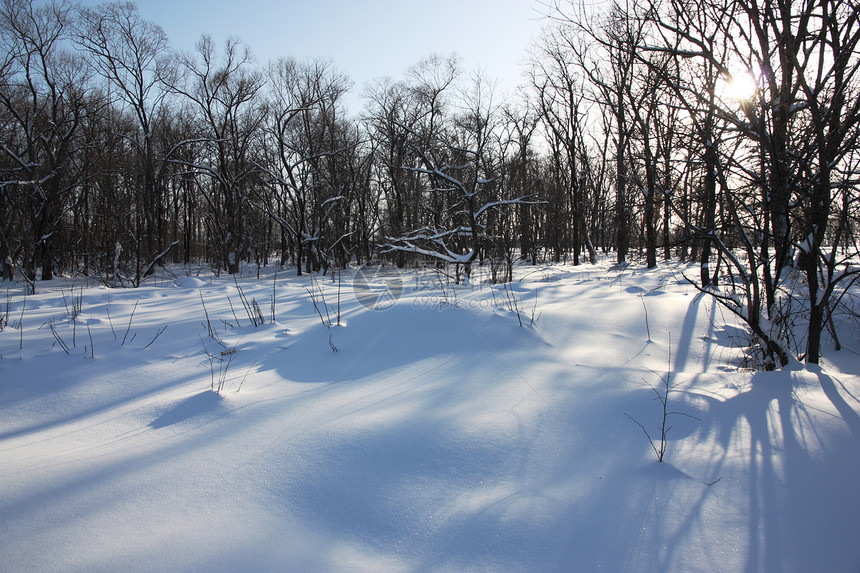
[
  {"x": 685, "y": 339},
  {"x": 744, "y": 422},
  {"x": 375, "y": 342},
  {"x": 56, "y": 512},
  {"x": 849, "y": 415},
  {"x": 545, "y": 496},
  {"x": 138, "y": 393},
  {"x": 800, "y": 512}
]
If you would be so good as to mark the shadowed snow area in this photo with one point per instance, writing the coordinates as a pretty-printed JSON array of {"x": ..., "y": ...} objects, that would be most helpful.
[{"x": 465, "y": 428}]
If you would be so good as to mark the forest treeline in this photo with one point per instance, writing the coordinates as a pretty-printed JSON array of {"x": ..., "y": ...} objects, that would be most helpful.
[{"x": 722, "y": 132}]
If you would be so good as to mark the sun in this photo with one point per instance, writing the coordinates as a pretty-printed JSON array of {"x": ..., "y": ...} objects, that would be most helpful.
[{"x": 741, "y": 86}]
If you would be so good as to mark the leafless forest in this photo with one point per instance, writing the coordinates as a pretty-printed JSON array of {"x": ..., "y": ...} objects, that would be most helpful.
[{"x": 720, "y": 132}]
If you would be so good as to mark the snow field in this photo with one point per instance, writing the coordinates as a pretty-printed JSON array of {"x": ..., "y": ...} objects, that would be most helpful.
[{"x": 438, "y": 437}]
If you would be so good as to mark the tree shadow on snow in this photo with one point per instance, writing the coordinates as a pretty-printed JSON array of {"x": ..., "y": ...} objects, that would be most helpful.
[
  {"x": 800, "y": 515},
  {"x": 377, "y": 341},
  {"x": 551, "y": 493}
]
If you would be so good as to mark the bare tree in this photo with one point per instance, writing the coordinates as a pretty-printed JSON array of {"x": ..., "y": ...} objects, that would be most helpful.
[
  {"x": 791, "y": 159},
  {"x": 224, "y": 98},
  {"x": 827, "y": 68},
  {"x": 303, "y": 130},
  {"x": 462, "y": 170},
  {"x": 521, "y": 175},
  {"x": 605, "y": 51},
  {"x": 392, "y": 120},
  {"x": 402, "y": 116},
  {"x": 42, "y": 98},
  {"x": 131, "y": 55},
  {"x": 561, "y": 100}
]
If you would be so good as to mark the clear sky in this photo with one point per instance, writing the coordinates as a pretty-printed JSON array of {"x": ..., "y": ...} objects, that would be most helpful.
[{"x": 366, "y": 39}]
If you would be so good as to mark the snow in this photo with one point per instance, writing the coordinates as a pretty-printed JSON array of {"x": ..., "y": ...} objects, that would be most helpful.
[{"x": 440, "y": 436}]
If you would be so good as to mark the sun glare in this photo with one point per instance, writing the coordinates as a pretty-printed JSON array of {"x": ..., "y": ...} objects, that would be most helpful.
[{"x": 741, "y": 87}]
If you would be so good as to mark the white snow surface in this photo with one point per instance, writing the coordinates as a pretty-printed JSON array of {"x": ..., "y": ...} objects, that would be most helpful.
[{"x": 440, "y": 436}]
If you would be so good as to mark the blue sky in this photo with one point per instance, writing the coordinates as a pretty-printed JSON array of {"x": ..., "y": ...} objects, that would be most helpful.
[{"x": 366, "y": 39}]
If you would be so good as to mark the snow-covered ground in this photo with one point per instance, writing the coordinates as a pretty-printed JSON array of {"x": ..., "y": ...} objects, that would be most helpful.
[{"x": 441, "y": 435}]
